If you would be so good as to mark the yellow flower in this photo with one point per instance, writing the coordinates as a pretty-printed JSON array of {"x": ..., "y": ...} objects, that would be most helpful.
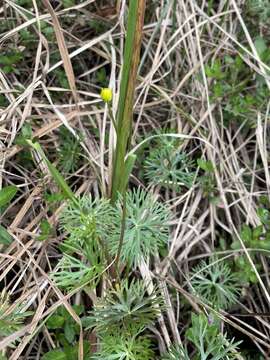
[{"x": 106, "y": 94}]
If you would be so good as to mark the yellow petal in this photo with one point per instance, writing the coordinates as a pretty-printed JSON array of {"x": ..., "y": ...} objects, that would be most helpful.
[{"x": 106, "y": 94}]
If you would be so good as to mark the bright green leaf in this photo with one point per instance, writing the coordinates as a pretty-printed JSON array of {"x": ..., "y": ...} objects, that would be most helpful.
[
  {"x": 7, "y": 194},
  {"x": 205, "y": 165},
  {"x": 5, "y": 237},
  {"x": 54, "y": 355},
  {"x": 55, "y": 322}
]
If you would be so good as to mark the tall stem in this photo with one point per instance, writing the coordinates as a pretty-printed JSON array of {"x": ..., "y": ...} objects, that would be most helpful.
[{"x": 124, "y": 114}]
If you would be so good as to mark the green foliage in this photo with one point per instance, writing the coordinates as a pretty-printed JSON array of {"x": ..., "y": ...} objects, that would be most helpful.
[
  {"x": 208, "y": 341},
  {"x": 63, "y": 323},
  {"x": 254, "y": 238},
  {"x": 10, "y": 60},
  {"x": 5, "y": 237},
  {"x": 101, "y": 77},
  {"x": 146, "y": 227},
  {"x": 27, "y": 38},
  {"x": 264, "y": 213},
  {"x": 25, "y": 134},
  {"x": 3, "y": 101},
  {"x": 232, "y": 80},
  {"x": 62, "y": 78},
  {"x": 45, "y": 230},
  {"x": 89, "y": 221},
  {"x": 167, "y": 166},
  {"x": 127, "y": 308},
  {"x": 54, "y": 355},
  {"x": 89, "y": 224},
  {"x": 124, "y": 112},
  {"x": 95, "y": 225},
  {"x": 208, "y": 181},
  {"x": 66, "y": 332},
  {"x": 25, "y": 3},
  {"x": 68, "y": 151},
  {"x": 260, "y": 9},
  {"x": 7, "y": 194},
  {"x": 10, "y": 320},
  {"x": 121, "y": 347},
  {"x": 68, "y": 3},
  {"x": 119, "y": 319},
  {"x": 215, "y": 284},
  {"x": 176, "y": 352},
  {"x": 56, "y": 175},
  {"x": 72, "y": 273},
  {"x": 68, "y": 352},
  {"x": 206, "y": 165},
  {"x": 24, "y": 157},
  {"x": 47, "y": 30}
]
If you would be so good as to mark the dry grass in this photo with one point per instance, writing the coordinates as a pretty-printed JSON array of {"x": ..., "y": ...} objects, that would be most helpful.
[{"x": 172, "y": 88}]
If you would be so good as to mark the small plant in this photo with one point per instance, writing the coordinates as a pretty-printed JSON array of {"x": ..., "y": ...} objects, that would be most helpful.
[
  {"x": 6, "y": 195},
  {"x": 215, "y": 284},
  {"x": 89, "y": 224},
  {"x": 66, "y": 334},
  {"x": 72, "y": 273},
  {"x": 232, "y": 80},
  {"x": 89, "y": 221},
  {"x": 119, "y": 319},
  {"x": 257, "y": 238},
  {"x": 207, "y": 182},
  {"x": 116, "y": 346},
  {"x": 176, "y": 352},
  {"x": 259, "y": 9},
  {"x": 167, "y": 166},
  {"x": 146, "y": 227},
  {"x": 9, "y": 61},
  {"x": 11, "y": 318},
  {"x": 93, "y": 226},
  {"x": 69, "y": 151},
  {"x": 46, "y": 230},
  {"x": 208, "y": 341},
  {"x": 127, "y": 308}
]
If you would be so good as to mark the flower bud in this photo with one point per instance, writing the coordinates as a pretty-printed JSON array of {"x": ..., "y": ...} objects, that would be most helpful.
[{"x": 106, "y": 94}]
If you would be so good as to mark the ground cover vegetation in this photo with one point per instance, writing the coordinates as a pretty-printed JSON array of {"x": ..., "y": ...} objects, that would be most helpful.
[{"x": 135, "y": 182}]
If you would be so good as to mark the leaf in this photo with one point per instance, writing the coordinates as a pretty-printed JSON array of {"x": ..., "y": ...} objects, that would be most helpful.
[
  {"x": 7, "y": 194},
  {"x": 58, "y": 178},
  {"x": 72, "y": 351},
  {"x": 45, "y": 230},
  {"x": 26, "y": 133},
  {"x": 260, "y": 46},
  {"x": 205, "y": 165},
  {"x": 129, "y": 164},
  {"x": 55, "y": 322},
  {"x": 5, "y": 237},
  {"x": 264, "y": 215},
  {"x": 246, "y": 234},
  {"x": 54, "y": 355},
  {"x": 53, "y": 198},
  {"x": 70, "y": 332},
  {"x": 257, "y": 232}
]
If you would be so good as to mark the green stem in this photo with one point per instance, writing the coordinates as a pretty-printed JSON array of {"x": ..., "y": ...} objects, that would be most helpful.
[
  {"x": 126, "y": 99},
  {"x": 121, "y": 239}
]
